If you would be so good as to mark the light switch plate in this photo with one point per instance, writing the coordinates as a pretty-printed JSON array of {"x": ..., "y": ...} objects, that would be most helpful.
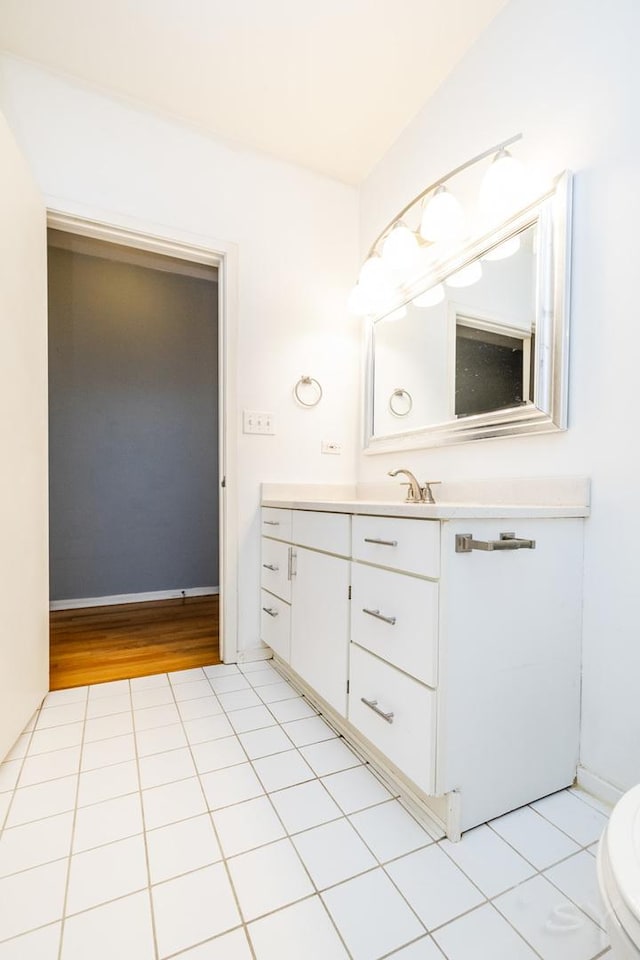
[{"x": 256, "y": 421}]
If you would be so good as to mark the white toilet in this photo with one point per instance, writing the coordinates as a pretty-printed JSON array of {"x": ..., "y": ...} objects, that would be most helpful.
[{"x": 619, "y": 876}]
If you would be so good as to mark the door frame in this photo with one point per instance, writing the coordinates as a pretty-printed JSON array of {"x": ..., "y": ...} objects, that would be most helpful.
[{"x": 224, "y": 256}]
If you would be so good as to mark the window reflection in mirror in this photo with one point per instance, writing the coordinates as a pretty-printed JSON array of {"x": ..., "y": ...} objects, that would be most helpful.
[{"x": 470, "y": 352}]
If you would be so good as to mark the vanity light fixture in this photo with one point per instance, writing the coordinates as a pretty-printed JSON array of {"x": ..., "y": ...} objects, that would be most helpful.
[{"x": 398, "y": 250}]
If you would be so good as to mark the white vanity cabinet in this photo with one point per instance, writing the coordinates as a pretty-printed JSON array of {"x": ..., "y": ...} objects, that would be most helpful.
[{"x": 462, "y": 665}]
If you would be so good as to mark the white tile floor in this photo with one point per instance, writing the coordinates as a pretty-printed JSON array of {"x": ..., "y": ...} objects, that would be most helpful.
[{"x": 213, "y": 815}]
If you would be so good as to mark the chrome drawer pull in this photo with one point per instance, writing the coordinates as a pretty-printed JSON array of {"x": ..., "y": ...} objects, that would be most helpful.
[
  {"x": 373, "y": 705},
  {"x": 271, "y": 566},
  {"x": 384, "y": 543},
  {"x": 272, "y": 523},
  {"x": 270, "y": 611},
  {"x": 380, "y": 616},
  {"x": 508, "y": 541}
]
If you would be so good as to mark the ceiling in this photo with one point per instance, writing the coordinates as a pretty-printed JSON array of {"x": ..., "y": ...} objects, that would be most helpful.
[{"x": 328, "y": 85}]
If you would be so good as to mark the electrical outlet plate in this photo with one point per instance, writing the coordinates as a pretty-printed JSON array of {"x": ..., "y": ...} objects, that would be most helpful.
[
  {"x": 256, "y": 421},
  {"x": 330, "y": 446}
]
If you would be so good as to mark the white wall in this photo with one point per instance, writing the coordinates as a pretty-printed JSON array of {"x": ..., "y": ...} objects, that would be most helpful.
[
  {"x": 297, "y": 239},
  {"x": 568, "y": 76},
  {"x": 24, "y": 563}
]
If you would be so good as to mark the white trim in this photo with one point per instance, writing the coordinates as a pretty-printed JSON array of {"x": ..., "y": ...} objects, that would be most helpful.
[
  {"x": 116, "y": 598},
  {"x": 252, "y": 654},
  {"x": 597, "y": 787},
  {"x": 67, "y": 216}
]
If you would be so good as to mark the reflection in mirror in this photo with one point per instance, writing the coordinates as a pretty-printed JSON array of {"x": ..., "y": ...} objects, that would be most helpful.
[
  {"x": 480, "y": 344},
  {"x": 470, "y": 352}
]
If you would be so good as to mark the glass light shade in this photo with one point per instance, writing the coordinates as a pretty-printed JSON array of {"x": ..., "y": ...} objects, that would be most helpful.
[
  {"x": 377, "y": 285},
  {"x": 358, "y": 304},
  {"x": 430, "y": 297},
  {"x": 504, "y": 188},
  {"x": 442, "y": 217},
  {"x": 466, "y": 276},
  {"x": 400, "y": 249},
  {"x": 374, "y": 276},
  {"x": 503, "y": 250},
  {"x": 398, "y": 314}
]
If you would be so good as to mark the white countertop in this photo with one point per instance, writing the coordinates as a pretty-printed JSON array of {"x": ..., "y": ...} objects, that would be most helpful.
[{"x": 538, "y": 497}]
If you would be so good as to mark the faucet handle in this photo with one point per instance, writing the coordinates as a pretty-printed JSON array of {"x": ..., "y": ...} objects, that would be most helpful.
[
  {"x": 426, "y": 492},
  {"x": 411, "y": 497}
]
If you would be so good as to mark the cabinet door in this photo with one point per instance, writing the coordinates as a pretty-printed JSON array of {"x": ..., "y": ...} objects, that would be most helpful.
[{"x": 320, "y": 624}]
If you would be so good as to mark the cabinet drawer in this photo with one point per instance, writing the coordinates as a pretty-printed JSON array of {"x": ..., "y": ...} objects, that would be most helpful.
[
  {"x": 409, "y": 739},
  {"x": 330, "y": 532},
  {"x": 400, "y": 543},
  {"x": 276, "y": 523},
  {"x": 275, "y": 568},
  {"x": 275, "y": 624},
  {"x": 396, "y": 617}
]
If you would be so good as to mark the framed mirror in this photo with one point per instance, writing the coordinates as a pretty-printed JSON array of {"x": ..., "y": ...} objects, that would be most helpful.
[{"x": 480, "y": 349}]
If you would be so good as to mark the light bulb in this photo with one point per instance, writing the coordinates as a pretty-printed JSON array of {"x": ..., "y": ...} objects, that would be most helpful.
[
  {"x": 465, "y": 277},
  {"x": 442, "y": 217},
  {"x": 430, "y": 297},
  {"x": 374, "y": 275},
  {"x": 504, "y": 188},
  {"x": 503, "y": 250},
  {"x": 377, "y": 286},
  {"x": 400, "y": 249},
  {"x": 358, "y": 304}
]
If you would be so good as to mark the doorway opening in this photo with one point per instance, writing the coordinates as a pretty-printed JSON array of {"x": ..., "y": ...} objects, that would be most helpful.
[{"x": 135, "y": 456}]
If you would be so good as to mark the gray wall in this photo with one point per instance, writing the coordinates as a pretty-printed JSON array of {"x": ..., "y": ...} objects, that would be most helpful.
[{"x": 133, "y": 428}]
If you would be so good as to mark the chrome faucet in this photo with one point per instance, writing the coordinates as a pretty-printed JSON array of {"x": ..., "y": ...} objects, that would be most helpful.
[{"x": 416, "y": 493}]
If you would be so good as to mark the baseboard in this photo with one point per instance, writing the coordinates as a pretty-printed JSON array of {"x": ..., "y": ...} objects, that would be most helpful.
[
  {"x": 132, "y": 598},
  {"x": 597, "y": 787},
  {"x": 251, "y": 654}
]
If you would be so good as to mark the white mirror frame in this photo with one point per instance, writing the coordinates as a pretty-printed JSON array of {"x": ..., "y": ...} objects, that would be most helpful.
[{"x": 548, "y": 413}]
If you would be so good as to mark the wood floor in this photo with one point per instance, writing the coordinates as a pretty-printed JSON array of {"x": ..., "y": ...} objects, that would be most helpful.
[{"x": 96, "y": 644}]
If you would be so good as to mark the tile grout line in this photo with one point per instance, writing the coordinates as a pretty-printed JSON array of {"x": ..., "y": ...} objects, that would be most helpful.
[
  {"x": 211, "y": 820},
  {"x": 316, "y": 892},
  {"x": 73, "y": 832},
  {"x": 561, "y": 829},
  {"x": 288, "y": 835},
  {"x": 154, "y": 932},
  {"x": 14, "y": 789},
  {"x": 345, "y": 816}
]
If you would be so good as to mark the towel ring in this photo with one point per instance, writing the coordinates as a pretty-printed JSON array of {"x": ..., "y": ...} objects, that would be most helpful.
[
  {"x": 308, "y": 382},
  {"x": 400, "y": 402}
]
